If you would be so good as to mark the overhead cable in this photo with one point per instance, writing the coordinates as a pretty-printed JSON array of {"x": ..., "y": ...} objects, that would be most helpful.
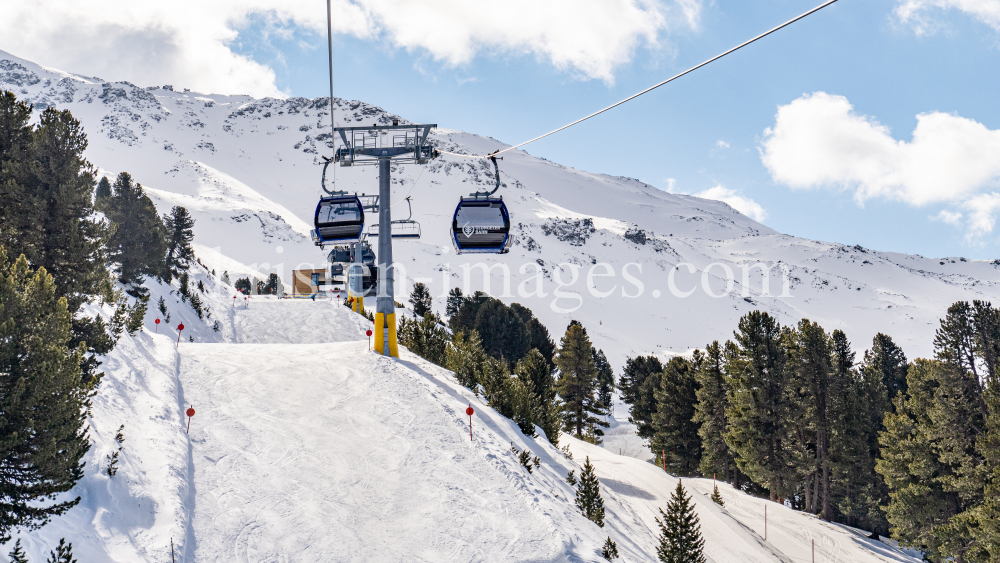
[{"x": 651, "y": 88}]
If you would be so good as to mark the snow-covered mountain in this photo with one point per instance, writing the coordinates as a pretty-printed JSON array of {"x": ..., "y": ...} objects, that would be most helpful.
[{"x": 249, "y": 171}]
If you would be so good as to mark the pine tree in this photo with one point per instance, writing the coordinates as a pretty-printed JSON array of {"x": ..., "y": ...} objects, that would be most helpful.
[
  {"x": 454, "y": 303},
  {"x": 179, "y": 229},
  {"x": 577, "y": 384},
  {"x": 137, "y": 315},
  {"x": 425, "y": 338},
  {"x": 717, "y": 497},
  {"x": 538, "y": 335},
  {"x": 610, "y": 549},
  {"x": 421, "y": 299},
  {"x": 42, "y": 399},
  {"x": 676, "y": 433},
  {"x": 811, "y": 371},
  {"x": 526, "y": 410},
  {"x": 759, "y": 408},
  {"x": 225, "y": 277},
  {"x": 534, "y": 371},
  {"x": 464, "y": 318},
  {"x": 18, "y": 555},
  {"x": 103, "y": 190},
  {"x": 928, "y": 460},
  {"x": 243, "y": 285},
  {"x": 710, "y": 415},
  {"x": 987, "y": 516},
  {"x": 62, "y": 554},
  {"x": 680, "y": 531},
  {"x": 588, "y": 495},
  {"x": 270, "y": 288},
  {"x": 605, "y": 378},
  {"x": 494, "y": 376},
  {"x": 137, "y": 244},
  {"x": 854, "y": 483},
  {"x": 639, "y": 381},
  {"x": 886, "y": 361},
  {"x": 46, "y": 213},
  {"x": 465, "y": 357},
  {"x": 504, "y": 335}
]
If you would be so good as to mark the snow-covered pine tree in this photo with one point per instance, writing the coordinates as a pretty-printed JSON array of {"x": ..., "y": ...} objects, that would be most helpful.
[
  {"x": 225, "y": 277},
  {"x": 62, "y": 554},
  {"x": 680, "y": 532},
  {"x": 610, "y": 550},
  {"x": 588, "y": 495},
  {"x": 17, "y": 555}
]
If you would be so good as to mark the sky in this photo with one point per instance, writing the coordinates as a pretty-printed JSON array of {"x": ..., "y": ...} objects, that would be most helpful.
[{"x": 871, "y": 122}]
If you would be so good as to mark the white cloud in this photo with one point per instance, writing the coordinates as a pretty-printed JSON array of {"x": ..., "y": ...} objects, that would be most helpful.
[
  {"x": 919, "y": 12},
  {"x": 744, "y": 205},
  {"x": 953, "y": 218},
  {"x": 189, "y": 42},
  {"x": 982, "y": 210},
  {"x": 720, "y": 144},
  {"x": 818, "y": 140}
]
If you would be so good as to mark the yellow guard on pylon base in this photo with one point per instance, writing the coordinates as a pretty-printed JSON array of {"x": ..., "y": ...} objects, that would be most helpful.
[{"x": 381, "y": 321}]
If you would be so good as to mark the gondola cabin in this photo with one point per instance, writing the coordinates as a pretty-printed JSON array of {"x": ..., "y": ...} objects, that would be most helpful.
[
  {"x": 338, "y": 219},
  {"x": 481, "y": 225}
]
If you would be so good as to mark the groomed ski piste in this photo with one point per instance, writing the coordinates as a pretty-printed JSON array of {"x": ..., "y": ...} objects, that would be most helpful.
[{"x": 307, "y": 446}]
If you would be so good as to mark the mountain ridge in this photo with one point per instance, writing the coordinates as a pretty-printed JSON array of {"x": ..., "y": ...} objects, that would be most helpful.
[{"x": 248, "y": 169}]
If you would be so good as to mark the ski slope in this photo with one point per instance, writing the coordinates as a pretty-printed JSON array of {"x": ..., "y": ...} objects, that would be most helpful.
[{"x": 307, "y": 446}]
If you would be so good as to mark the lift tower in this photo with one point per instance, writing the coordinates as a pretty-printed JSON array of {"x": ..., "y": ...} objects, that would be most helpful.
[{"x": 383, "y": 145}]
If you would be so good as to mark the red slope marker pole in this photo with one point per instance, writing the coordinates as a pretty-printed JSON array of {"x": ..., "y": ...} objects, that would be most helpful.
[
  {"x": 180, "y": 329},
  {"x": 234, "y": 301},
  {"x": 369, "y": 334},
  {"x": 190, "y": 413},
  {"x": 157, "y": 322},
  {"x": 469, "y": 411}
]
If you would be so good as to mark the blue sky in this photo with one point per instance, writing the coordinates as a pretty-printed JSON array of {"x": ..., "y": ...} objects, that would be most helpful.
[
  {"x": 842, "y": 165},
  {"x": 670, "y": 137}
]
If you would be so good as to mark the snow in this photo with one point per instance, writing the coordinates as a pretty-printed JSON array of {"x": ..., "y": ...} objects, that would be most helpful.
[{"x": 307, "y": 446}]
